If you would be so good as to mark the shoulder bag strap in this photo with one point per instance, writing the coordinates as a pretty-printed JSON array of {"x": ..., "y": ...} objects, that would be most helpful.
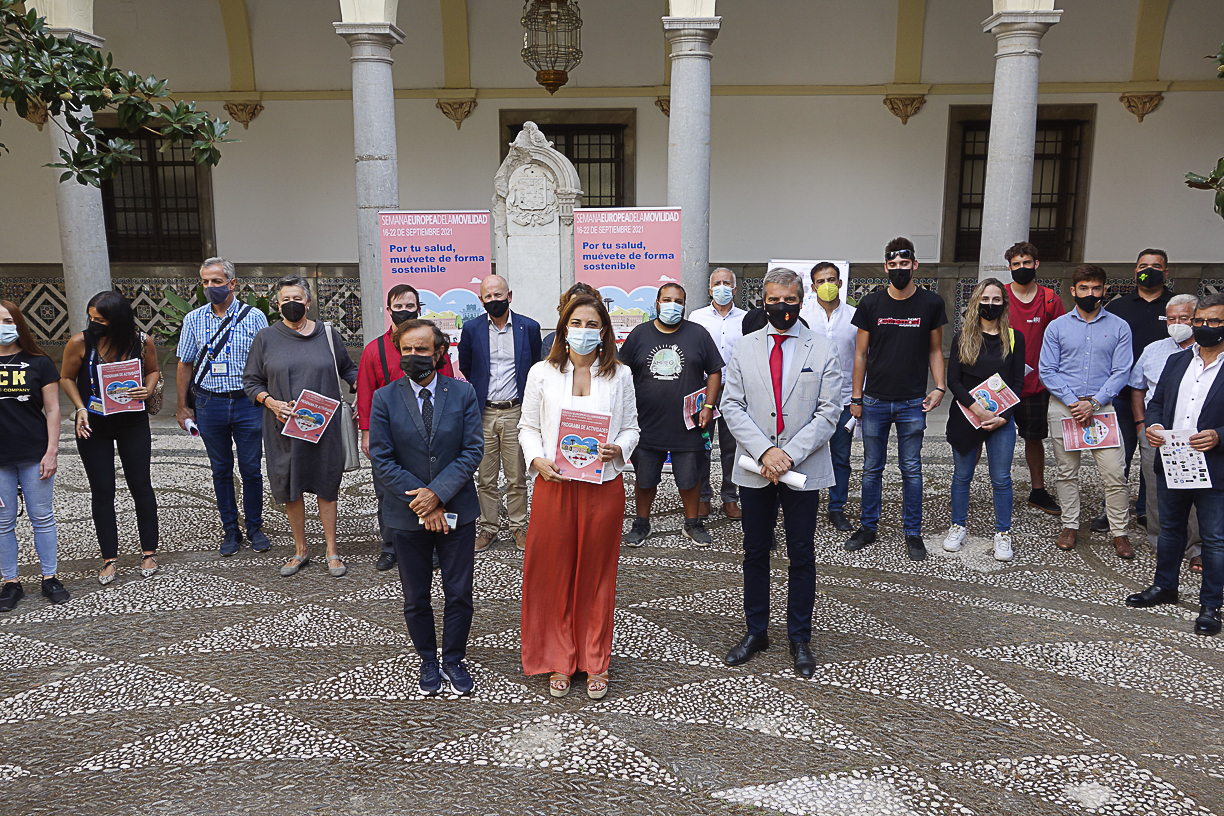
[
  {"x": 207, "y": 353},
  {"x": 327, "y": 331},
  {"x": 382, "y": 355}
]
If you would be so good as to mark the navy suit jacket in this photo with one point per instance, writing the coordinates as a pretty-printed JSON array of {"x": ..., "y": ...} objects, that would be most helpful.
[
  {"x": 474, "y": 359},
  {"x": 403, "y": 460},
  {"x": 1160, "y": 411}
]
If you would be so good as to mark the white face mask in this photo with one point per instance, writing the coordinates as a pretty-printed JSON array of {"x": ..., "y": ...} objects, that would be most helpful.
[
  {"x": 722, "y": 294},
  {"x": 8, "y": 334},
  {"x": 1180, "y": 332}
]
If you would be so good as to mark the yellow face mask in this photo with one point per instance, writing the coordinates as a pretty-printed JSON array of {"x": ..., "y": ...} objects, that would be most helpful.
[{"x": 827, "y": 291}]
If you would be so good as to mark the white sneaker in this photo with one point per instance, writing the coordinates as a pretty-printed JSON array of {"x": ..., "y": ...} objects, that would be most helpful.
[
  {"x": 955, "y": 537},
  {"x": 1002, "y": 547}
]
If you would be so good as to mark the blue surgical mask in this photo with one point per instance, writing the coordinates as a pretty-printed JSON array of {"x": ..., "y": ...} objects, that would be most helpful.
[
  {"x": 722, "y": 294},
  {"x": 8, "y": 335},
  {"x": 583, "y": 341},
  {"x": 671, "y": 313}
]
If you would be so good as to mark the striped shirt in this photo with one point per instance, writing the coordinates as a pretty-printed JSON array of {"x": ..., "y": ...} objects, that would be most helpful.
[{"x": 201, "y": 324}]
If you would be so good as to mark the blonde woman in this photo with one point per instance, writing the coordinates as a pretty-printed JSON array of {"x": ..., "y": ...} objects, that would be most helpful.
[{"x": 985, "y": 345}]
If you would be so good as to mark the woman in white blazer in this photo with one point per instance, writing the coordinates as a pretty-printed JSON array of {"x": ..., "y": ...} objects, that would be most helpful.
[{"x": 577, "y": 508}]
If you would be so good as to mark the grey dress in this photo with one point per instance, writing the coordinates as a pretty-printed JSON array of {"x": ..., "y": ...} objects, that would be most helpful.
[{"x": 285, "y": 363}]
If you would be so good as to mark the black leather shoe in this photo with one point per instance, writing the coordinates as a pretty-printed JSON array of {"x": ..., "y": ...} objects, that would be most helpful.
[
  {"x": 431, "y": 678},
  {"x": 1100, "y": 524},
  {"x": 915, "y": 547},
  {"x": 861, "y": 538},
  {"x": 746, "y": 648},
  {"x": 838, "y": 519},
  {"x": 805, "y": 663},
  {"x": 1208, "y": 621},
  {"x": 385, "y": 562},
  {"x": 1152, "y": 596}
]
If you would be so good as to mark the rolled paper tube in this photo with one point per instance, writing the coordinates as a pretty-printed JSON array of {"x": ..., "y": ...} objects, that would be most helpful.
[
  {"x": 790, "y": 478},
  {"x": 192, "y": 428}
]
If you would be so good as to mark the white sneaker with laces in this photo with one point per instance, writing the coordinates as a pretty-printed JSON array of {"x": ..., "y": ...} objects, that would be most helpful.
[
  {"x": 954, "y": 539},
  {"x": 1003, "y": 547}
]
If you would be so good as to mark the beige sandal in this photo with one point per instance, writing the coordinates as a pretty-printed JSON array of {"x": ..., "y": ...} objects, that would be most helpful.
[
  {"x": 558, "y": 684},
  {"x": 597, "y": 685}
]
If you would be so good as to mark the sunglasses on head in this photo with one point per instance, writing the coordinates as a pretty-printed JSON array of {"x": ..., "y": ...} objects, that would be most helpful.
[{"x": 908, "y": 254}]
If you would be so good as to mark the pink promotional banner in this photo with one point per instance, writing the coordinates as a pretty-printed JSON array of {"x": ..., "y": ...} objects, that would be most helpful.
[
  {"x": 444, "y": 255},
  {"x": 627, "y": 253}
]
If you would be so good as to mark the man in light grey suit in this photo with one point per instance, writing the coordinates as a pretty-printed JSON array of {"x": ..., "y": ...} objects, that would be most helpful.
[{"x": 782, "y": 399}]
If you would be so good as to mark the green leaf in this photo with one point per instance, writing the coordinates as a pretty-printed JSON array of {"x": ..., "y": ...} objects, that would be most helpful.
[{"x": 174, "y": 299}]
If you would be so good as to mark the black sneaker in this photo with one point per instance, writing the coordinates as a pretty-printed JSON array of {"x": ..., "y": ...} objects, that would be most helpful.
[
  {"x": 1100, "y": 524},
  {"x": 431, "y": 680},
  {"x": 916, "y": 547},
  {"x": 231, "y": 543},
  {"x": 458, "y": 677},
  {"x": 259, "y": 541},
  {"x": 10, "y": 595},
  {"x": 54, "y": 590},
  {"x": 861, "y": 538},
  {"x": 695, "y": 531},
  {"x": 638, "y": 534},
  {"x": 1043, "y": 501}
]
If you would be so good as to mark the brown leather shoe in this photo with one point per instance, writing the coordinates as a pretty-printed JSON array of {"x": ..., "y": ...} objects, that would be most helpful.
[
  {"x": 520, "y": 539},
  {"x": 1066, "y": 539},
  {"x": 732, "y": 510},
  {"x": 483, "y": 542},
  {"x": 1122, "y": 547},
  {"x": 703, "y": 510}
]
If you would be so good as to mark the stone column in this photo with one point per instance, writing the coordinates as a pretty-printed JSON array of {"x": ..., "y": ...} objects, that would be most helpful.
[
  {"x": 375, "y": 150},
  {"x": 688, "y": 144},
  {"x": 81, "y": 224},
  {"x": 1007, "y": 202}
]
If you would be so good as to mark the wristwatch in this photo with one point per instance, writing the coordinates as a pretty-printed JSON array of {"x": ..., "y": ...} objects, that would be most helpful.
[{"x": 1096, "y": 406}]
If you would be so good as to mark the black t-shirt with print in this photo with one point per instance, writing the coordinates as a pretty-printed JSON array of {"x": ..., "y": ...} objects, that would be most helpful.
[
  {"x": 898, "y": 351},
  {"x": 666, "y": 368},
  {"x": 23, "y": 426}
]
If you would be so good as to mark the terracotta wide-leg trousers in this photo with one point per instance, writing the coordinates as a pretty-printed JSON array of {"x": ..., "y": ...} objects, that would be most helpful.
[{"x": 569, "y": 576}]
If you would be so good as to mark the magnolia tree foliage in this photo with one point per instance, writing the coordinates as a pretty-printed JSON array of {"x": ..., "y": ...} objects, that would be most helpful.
[
  {"x": 44, "y": 77},
  {"x": 1214, "y": 180}
]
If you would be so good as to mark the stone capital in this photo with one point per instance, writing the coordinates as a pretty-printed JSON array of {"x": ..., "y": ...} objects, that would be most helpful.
[
  {"x": 86, "y": 37},
  {"x": 1027, "y": 22},
  {"x": 370, "y": 41},
  {"x": 691, "y": 36}
]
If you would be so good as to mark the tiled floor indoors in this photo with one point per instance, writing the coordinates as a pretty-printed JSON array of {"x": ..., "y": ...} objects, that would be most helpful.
[{"x": 954, "y": 686}]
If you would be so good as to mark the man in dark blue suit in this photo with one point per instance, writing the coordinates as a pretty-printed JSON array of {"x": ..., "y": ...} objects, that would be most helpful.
[
  {"x": 496, "y": 350},
  {"x": 425, "y": 444},
  {"x": 1190, "y": 396}
]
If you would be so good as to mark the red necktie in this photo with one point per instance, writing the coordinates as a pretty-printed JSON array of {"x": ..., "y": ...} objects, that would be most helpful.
[{"x": 775, "y": 374}]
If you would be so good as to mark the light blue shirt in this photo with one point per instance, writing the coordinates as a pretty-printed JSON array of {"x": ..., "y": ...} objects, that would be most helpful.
[
  {"x": 1086, "y": 360},
  {"x": 419, "y": 389},
  {"x": 201, "y": 324},
  {"x": 503, "y": 385},
  {"x": 1151, "y": 365},
  {"x": 789, "y": 347}
]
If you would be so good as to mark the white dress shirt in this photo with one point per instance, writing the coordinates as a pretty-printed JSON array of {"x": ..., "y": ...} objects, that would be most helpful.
[
  {"x": 502, "y": 385},
  {"x": 789, "y": 347},
  {"x": 839, "y": 331},
  {"x": 724, "y": 329},
  {"x": 1195, "y": 385}
]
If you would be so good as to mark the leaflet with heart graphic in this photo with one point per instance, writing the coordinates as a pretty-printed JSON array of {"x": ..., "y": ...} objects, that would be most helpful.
[
  {"x": 117, "y": 381},
  {"x": 993, "y": 395},
  {"x": 1101, "y": 433},
  {"x": 311, "y": 414},
  {"x": 693, "y": 404},
  {"x": 578, "y": 441}
]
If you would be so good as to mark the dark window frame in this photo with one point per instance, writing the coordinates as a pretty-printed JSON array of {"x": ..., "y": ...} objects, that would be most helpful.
[
  {"x": 1073, "y": 200},
  {"x": 577, "y": 122}
]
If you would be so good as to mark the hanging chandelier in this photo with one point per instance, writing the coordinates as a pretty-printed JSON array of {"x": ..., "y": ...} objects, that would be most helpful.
[{"x": 551, "y": 40}]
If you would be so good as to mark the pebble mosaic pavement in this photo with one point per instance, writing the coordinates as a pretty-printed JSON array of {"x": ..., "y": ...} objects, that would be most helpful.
[{"x": 950, "y": 687}]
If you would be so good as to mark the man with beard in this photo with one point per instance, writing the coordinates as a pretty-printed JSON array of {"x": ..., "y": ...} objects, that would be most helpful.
[{"x": 900, "y": 336}]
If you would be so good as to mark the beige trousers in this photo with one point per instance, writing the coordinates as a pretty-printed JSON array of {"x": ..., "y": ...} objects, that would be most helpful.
[
  {"x": 1147, "y": 458},
  {"x": 502, "y": 452},
  {"x": 1066, "y": 475}
]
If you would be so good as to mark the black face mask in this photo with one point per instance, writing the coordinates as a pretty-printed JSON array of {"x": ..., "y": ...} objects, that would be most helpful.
[
  {"x": 1024, "y": 275},
  {"x": 497, "y": 308},
  {"x": 399, "y": 316},
  {"x": 1151, "y": 277},
  {"x": 217, "y": 294},
  {"x": 1208, "y": 337},
  {"x": 417, "y": 367},
  {"x": 900, "y": 278},
  {"x": 782, "y": 315},
  {"x": 990, "y": 311},
  {"x": 1088, "y": 303},
  {"x": 96, "y": 330},
  {"x": 293, "y": 310}
]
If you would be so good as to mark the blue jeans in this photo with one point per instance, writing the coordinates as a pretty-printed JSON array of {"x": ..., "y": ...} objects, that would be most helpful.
[
  {"x": 1174, "y": 517},
  {"x": 878, "y": 417},
  {"x": 839, "y": 450},
  {"x": 1000, "y": 447},
  {"x": 225, "y": 424},
  {"x": 37, "y": 494}
]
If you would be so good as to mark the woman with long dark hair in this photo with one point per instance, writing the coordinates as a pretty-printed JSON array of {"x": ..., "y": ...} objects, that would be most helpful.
[
  {"x": 573, "y": 537},
  {"x": 29, "y": 452},
  {"x": 985, "y": 346},
  {"x": 111, "y": 337}
]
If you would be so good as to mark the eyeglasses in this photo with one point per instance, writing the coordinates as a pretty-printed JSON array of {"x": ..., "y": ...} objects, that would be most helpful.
[
  {"x": 1209, "y": 322},
  {"x": 908, "y": 254}
]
